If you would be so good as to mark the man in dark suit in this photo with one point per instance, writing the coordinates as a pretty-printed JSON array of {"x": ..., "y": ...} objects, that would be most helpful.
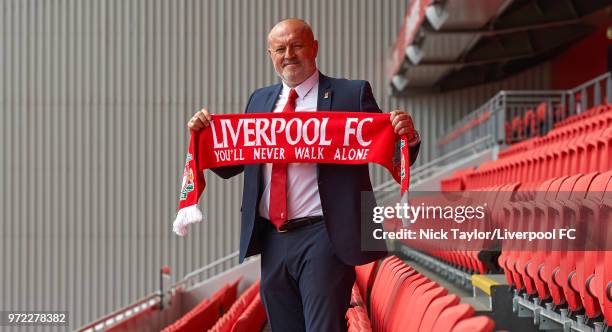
[{"x": 304, "y": 218}]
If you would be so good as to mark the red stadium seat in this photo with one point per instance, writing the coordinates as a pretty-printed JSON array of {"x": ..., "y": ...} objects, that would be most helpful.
[
  {"x": 451, "y": 316},
  {"x": 397, "y": 312},
  {"x": 553, "y": 260},
  {"x": 203, "y": 316},
  {"x": 602, "y": 283},
  {"x": 226, "y": 322},
  {"x": 435, "y": 309},
  {"x": 364, "y": 278},
  {"x": 357, "y": 320},
  {"x": 252, "y": 319},
  {"x": 583, "y": 279},
  {"x": 415, "y": 308},
  {"x": 567, "y": 267},
  {"x": 475, "y": 324},
  {"x": 406, "y": 282}
]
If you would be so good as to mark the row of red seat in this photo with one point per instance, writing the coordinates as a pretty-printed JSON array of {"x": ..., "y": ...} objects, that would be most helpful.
[
  {"x": 571, "y": 126},
  {"x": 472, "y": 257},
  {"x": 204, "y": 315},
  {"x": 589, "y": 121},
  {"x": 531, "y": 124},
  {"x": 224, "y": 313},
  {"x": 563, "y": 174},
  {"x": 402, "y": 299},
  {"x": 456, "y": 181},
  {"x": 580, "y": 279},
  {"x": 246, "y": 314},
  {"x": 585, "y": 152},
  {"x": 581, "y": 116}
]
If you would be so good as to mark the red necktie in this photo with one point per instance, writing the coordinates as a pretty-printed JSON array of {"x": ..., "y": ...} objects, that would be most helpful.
[{"x": 278, "y": 179}]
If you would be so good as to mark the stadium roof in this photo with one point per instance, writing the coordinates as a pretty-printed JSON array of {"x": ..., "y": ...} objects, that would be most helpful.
[{"x": 450, "y": 44}]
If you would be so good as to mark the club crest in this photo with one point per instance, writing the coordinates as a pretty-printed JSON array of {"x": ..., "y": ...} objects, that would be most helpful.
[{"x": 187, "y": 185}]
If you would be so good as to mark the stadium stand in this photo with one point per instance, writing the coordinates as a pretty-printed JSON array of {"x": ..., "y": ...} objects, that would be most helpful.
[
  {"x": 555, "y": 167},
  {"x": 247, "y": 313},
  {"x": 567, "y": 171},
  {"x": 399, "y": 292},
  {"x": 208, "y": 312},
  {"x": 560, "y": 173},
  {"x": 550, "y": 160}
]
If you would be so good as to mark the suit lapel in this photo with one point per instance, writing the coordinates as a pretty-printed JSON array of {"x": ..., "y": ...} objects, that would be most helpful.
[
  {"x": 323, "y": 104},
  {"x": 272, "y": 98},
  {"x": 325, "y": 93}
]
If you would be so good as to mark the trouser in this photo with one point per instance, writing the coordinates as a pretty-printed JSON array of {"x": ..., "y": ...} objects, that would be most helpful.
[{"x": 304, "y": 285}]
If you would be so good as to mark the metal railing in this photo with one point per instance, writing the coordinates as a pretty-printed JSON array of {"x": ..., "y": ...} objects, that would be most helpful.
[
  {"x": 505, "y": 116},
  {"x": 153, "y": 300},
  {"x": 190, "y": 278},
  {"x": 116, "y": 317},
  {"x": 589, "y": 94},
  {"x": 434, "y": 166},
  {"x": 492, "y": 118}
]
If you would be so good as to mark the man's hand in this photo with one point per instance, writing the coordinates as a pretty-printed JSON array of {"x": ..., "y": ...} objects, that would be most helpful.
[
  {"x": 402, "y": 123},
  {"x": 200, "y": 120}
]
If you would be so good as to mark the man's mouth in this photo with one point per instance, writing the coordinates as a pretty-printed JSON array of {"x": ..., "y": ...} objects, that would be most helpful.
[{"x": 291, "y": 63}]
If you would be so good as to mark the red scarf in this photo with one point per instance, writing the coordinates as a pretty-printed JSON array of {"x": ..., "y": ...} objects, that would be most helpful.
[{"x": 300, "y": 137}]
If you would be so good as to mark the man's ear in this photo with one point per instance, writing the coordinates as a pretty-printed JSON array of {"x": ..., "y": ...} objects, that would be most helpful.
[{"x": 316, "y": 47}]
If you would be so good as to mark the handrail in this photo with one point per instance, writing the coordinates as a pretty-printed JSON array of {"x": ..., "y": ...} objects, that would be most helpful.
[
  {"x": 590, "y": 82},
  {"x": 450, "y": 154},
  {"x": 152, "y": 298},
  {"x": 496, "y": 98},
  {"x": 583, "y": 89},
  {"x": 94, "y": 326},
  {"x": 436, "y": 162},
  {"x": 508, "y": 103},
  {"x": 187, "y": 278}
]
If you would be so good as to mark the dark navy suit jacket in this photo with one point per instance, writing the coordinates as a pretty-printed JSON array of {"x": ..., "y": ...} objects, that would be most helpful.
[{"x": 341, "y": 187}]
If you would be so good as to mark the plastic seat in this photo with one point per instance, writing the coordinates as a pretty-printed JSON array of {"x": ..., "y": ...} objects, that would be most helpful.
[
  {"x": 475, "y": 324},
  {"x": 419, "y": 305},
  {"x": 227, "y": 321},
  {"x": 382, "y": 282},
  {"x": 358, "y": 320},
  {"x": 569, "y": 255},
  {"x": 584, "y": 278},
  {"x": 252, "y": 319},
  {"x": 525, "y": 219},
  {"x": 602, "y": 283},
  {"x": 451, "y": 316},
  {"x": 406, "y": 294},
  {"x": 553, "y": 260},
  {"x": 605, "y": 266},
  {"x": 434, "y": 310},
  {"x": 405, "y": 282},
  {"x": 364, "y": 277}
]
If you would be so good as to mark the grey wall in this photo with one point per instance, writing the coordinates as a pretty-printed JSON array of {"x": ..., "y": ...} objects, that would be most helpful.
[{"x": 94, "y": 98}]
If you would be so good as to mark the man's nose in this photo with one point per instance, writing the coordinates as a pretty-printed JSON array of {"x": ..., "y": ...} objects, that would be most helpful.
[{"x": 289, "y": 53}]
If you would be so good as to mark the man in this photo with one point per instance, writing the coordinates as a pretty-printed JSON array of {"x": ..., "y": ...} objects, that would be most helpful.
[{"x": 307, "y": 263}]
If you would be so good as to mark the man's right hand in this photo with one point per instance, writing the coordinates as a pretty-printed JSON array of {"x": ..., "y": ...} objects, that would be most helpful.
[{"x": 200, "y": 120}]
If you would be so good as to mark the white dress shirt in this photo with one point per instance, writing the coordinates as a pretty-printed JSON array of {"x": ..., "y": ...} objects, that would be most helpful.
[{"x": 302, "y": 187}]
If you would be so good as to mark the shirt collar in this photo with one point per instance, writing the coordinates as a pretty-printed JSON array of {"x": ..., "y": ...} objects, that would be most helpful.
[{"x": 304, "y": 88}]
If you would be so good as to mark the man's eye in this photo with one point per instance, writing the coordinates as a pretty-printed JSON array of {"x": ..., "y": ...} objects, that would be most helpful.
[{"x": 280, "y": 50}]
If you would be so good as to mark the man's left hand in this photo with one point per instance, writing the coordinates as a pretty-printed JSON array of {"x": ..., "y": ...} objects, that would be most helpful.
[{"x": 402, "y": 123}]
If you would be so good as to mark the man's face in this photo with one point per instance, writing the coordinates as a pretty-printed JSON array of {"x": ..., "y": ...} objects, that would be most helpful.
[{"x": 293, "y": 51}]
